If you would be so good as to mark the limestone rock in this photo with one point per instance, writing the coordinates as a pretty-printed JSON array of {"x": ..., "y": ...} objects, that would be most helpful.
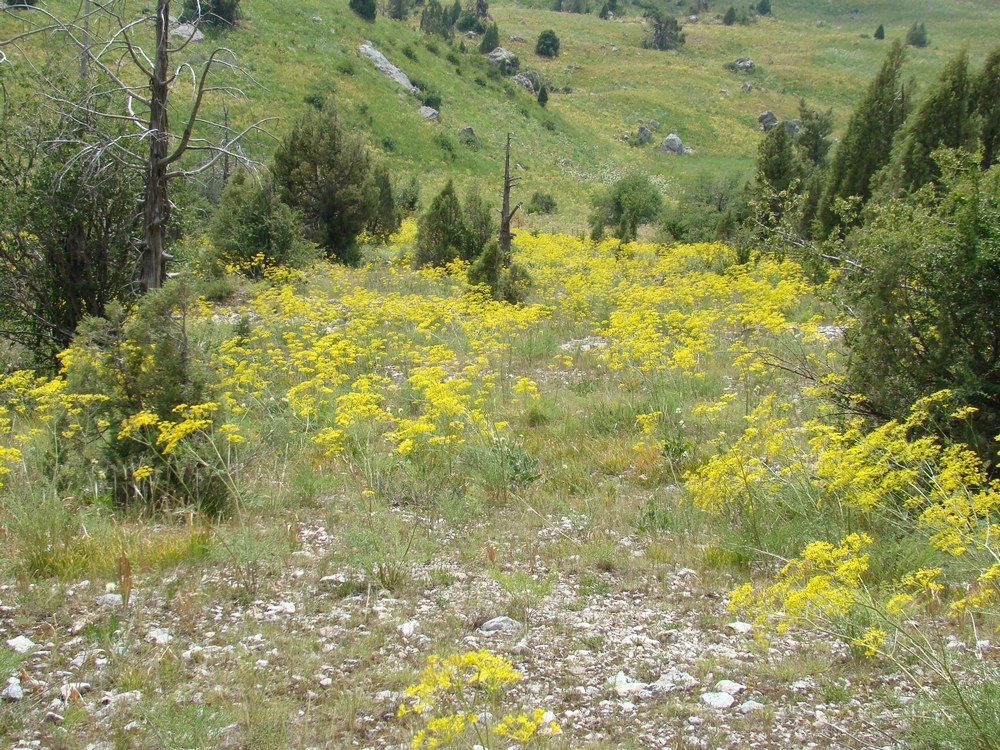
[
  {"x": 672, "y": 144},
  {"x": 429, "y": 113},
  {"x": 21, "y": 645},
  {"x": 504, "y": 59},
  {"x": 717, "y": 700},
  {"x": 502, "y": 624},
  {"x": 385, "y": 67},
  {"x": 767, "y": 121},
  {"x": 187, "y": 31}
]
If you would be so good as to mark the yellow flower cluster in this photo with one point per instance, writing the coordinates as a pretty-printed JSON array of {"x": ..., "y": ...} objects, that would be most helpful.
[{"x": 457, "y": 697}]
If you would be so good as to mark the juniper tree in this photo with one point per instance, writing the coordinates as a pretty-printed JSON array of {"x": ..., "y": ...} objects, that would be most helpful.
[
  {"x": 942, "y": 119},
  {"x": 867, "y": 144},
  {"x": 986, "y": 109}
]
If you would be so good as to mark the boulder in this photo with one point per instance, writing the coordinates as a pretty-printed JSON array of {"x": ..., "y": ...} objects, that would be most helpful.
[
  {"x": 187, "y": 31},
  {"x": 385, "y": 67},
  {"x": 744, "y": 64},
  {"x": 768, "y": 121},
  {"x": 644, "y": 135},
  {"x": 528, "y": 80},
  {"x": 792, "y": 127},
  {"x": 468, "y": 137},
  {"x": 672, "y": 144},
  {"x": 429, "y": 113},
  {"x": 504, "y": 59},
  {"x": 746, "y": 87}
]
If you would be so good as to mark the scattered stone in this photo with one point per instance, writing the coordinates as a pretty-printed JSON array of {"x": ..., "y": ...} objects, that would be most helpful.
[
  {"x": 316, "y": 19},
  {"x": 746, "y": 87},
  {"x": 22, "y": 644},
  {"x": 13, "y": 692},
  {"x": 626, "y": 686},
  {"x": 52, "y": 718},
  {"x": 724, "y": 92},
  {"x": 717, "y": 700},
  {"x": 767, "y": 121},
  {"x": 728, "y": 686},
  {"x": 408, "y": 628},
  {"x": 187, "y": 31},
  {"x": 429, "y": 113},
  {"x": 740, "y": 627},
  {"x": 749, "y": 706},
  {"x": 71, "y": 691},
  {"x": 742, "y": 64},
  {"x": 654, "y": 125},
  {"x": 121, "y": 699},
  {"x": 644, "y": 135},
  {"x": 159, "y": 636},
  {"x": 110, "y": 600},
  {"x": 584, "y": 345},
  {"x": 385, "y": 67},
  {"x": 515, "y": 38},
  {"x": 502, "y": 624}
]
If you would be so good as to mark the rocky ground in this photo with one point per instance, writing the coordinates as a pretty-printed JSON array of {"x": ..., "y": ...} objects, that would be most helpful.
[{"x": 633, "y": 651}]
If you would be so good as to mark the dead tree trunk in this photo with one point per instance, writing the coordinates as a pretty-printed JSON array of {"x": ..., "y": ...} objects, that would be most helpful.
[
  {"x": 506, "y": 214},
  {"x": 156, "y": 207}
]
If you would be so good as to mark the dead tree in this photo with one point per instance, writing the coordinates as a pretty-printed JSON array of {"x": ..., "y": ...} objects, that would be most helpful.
[
  {"x": 115, "y": 63},
  {"x": 506, "y": 214}
]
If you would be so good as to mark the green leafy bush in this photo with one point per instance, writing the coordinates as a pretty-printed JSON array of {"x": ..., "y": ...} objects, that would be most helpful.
[{"x": 547, "y": 44}]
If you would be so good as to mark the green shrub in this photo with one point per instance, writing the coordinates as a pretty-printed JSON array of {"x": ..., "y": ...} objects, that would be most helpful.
[
  {"x": 326, "y": 172},
  {"x": 252, "y": 221},
  {"x": 364, "y": 8},
  {"x": 216, "y": 14},
  {"x": 547, "y": 44},
  {"x": 916, "y": 36},
  {"x": 541, "y": 203}
]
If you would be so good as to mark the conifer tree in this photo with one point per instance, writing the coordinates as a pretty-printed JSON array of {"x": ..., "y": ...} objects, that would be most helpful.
[
  {"x": 986, "y": 108},
  {"x": 442, "y": 234},
  {"x": 730, "y": 18},
  {"x": 880, "y": 32},
  {"x": 867, "y": 145},
  {"x": 490, "y": 40},
  {"x": 775, "y": 167},
  {"x": 364, "y": 8},
  {"x": 543, "y": 96},
  {"x": 941, "y": 120}
]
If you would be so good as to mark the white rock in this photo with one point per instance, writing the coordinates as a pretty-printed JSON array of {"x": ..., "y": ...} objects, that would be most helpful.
[
  {"x": 21, "y": 644},
  {"x": 13, "y": 692},
  {"x": 385, "y": 67},
  {"x": 159, "y": 636},
  {"x": 73, "y": 690},
  {"x": 717, "y": 700},
  {"x": 625, "y": 685},
  {"x": 740, "y": 627},
  {"x": 502, "y": 624},
  {"x": 408, "y": 628},
  {"x": 187, "y": 31},
  {"x": 110, "y": 600},
  {"x": 748, "y": 706},
  {"x": 728, "y": 686}
]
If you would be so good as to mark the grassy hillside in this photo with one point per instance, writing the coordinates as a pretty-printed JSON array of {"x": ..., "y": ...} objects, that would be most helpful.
[
  {"x": 820, "y": 51},
  {"x": 571, "y": 146}
]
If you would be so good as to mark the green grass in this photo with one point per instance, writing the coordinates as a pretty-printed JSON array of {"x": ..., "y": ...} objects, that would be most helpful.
[{"x": 821, "y": 52}]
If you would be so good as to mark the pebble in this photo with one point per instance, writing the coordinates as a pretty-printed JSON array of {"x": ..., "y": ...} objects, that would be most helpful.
[
  {"x": 749, "y": 706},
  {"x": 625, "y": 685}
]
